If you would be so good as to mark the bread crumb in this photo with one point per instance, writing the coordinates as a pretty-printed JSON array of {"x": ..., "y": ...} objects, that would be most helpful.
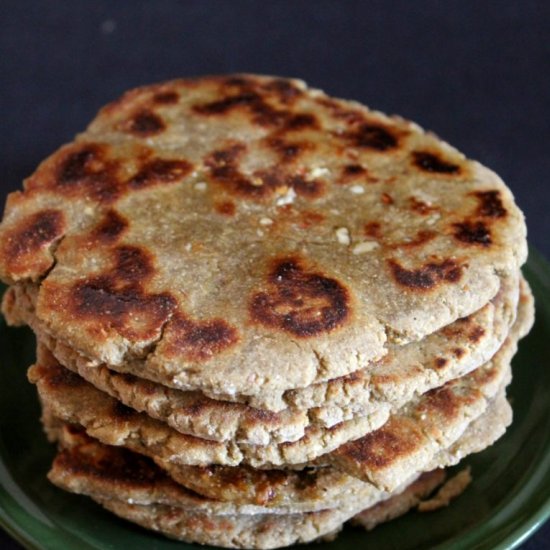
[{"x": 342, "y": 235}]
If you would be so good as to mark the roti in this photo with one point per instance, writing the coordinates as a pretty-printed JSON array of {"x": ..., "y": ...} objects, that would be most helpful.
[{"x": 227, "y": 234}]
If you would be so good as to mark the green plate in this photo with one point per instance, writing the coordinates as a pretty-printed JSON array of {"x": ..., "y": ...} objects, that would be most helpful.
[{"x": 508, "y": 500}]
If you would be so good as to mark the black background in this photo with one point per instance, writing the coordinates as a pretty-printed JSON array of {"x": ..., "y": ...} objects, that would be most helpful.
[{"x": 476, "y": 73}]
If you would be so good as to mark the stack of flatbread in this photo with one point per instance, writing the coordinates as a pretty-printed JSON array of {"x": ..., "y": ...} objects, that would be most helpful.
[{"x": 262, "y": 312}]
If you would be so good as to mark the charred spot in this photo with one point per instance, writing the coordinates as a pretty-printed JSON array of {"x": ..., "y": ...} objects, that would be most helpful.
[
  {"x": 255, "y": 103},
  {"x": 126, "y": 309},
  {"x": 427, "y": 276},
  {"x": 472, "y": 233},
  {"x": 160, "y": 171},
  {"x": 458, "y": 352},
  {"x": 144, "y": 123},
  {"x": 380, "y": 448},
  {"x": 132, "y": 265},
  {"x": 387, "y": 199},
  {"x": 421, "y": 207},
  {"x": 422, "y": 237},
  {"x": 431, "y": 162},
  {"x": 116, "y": 299},
  {"x": 110, "y": 464},
  {"x": 199, "y": 340},
  {"x": 372, "y": 136},
  {"x": 224, "y": 105},
  {"x": 166, "y": 98},
  {"x": 440, "y": 362},
  {"x": 353, "y": 170},
  {"x": 372, "y": 229},
  {"x": 286, "y": 151},
  {"x": 439, "y": 401},
  {"x": 490, "y": 204},
  {"x": 111, "y": 227},
  {"x": 60, "y": 377},
  {"x": 300, "y": 121},
  {"x": 87, "y": 171},
  {"x": 476, "y": 334},
  {"x": 309, "y": 218},
  {"x": 80, "y": 164},
  {"x": 341, "y": 112},
  {"x": 32, "y": 235},
  {"x": 226, "y": 208},
  {"x": 286, "y": 90},
  {"x": 304, "y": 187},
  {"x": 224, "y": 169},
  {"x": 122, "y": 412},
  {"x": 223, "y": 166},
  {"x": 301, "y": 303}
]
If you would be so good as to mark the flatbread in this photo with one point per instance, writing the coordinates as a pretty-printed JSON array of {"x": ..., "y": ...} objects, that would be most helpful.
[
  {"x": 384, "y": 457},
  {"x": 233, "y": 233},
  {"x": 405, "y": 372},
  {"x": 86, "y": 466}
]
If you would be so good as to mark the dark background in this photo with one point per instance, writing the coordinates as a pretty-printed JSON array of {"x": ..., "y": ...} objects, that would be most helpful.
[{"x": 476, "y": 73}]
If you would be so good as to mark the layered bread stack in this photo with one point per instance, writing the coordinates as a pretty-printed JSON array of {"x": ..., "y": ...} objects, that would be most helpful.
[{"x": 262, "y": 312}]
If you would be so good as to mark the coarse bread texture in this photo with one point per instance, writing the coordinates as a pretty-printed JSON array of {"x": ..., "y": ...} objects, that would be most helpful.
[
  {"x": 384, "y": 457},
  {"x": 405, "y": 372},
  {"x": 83, "y": 465},
  {"x": 244, "y": 232}
]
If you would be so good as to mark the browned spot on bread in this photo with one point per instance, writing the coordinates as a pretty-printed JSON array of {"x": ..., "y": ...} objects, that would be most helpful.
[
  {"x": 428, "y": 276},
  {"x": 433, "y": 162},
  {"x": 198, "y": 340},
  {"x": 308, "y": 218},
  {"x": 287, "y": 151},
  {"x": 304, "y": 187},
  {"x": 160, "y": 171},
  {"x": 476, "y": 334},
  {"x": 440, "y": 362},
  {"x": 144, "y": 123},
  {"x": 222, "y": 106},
  {"x": 301, "y": 303},
  {"x": 422, "y": 237},
  {"x": 373, "y": 229},
  {"x": 110, "y": 228},
  {"x": 439, "y": 401},
  {"x": 132, "y": 265},
  {"x": 56, "y": 376},
  {"x": 286, "y": 91},
  {"x": 226, "y": 208},
  {"x": 387, "y": 199},
  {"x": 166, "y": 98},
  {"x": 421, "y": 207},
  {"x": 85, "y": 170},
  {"x": 372, "y": 136},
  {"x": 121, "y": 412},
  {"x": 490, "y": 204},
  {"x": 458, "y": 352},
  {"x": 398, "y": 438},
  {"x": 353, "y": 170},
  {"x": 223, "y": 165},
  {"x": 24, "y": 248},
  {"x": 116, "y": 300},
  {"x": 253, "y": 99},
  {"x": 473, "y": 233},
  {"x": 104, "y": 463},
  {"x": 341, "y": 111}
]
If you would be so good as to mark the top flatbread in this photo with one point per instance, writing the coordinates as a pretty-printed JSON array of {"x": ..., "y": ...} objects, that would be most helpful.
[{"x": 238, "y": 232}]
